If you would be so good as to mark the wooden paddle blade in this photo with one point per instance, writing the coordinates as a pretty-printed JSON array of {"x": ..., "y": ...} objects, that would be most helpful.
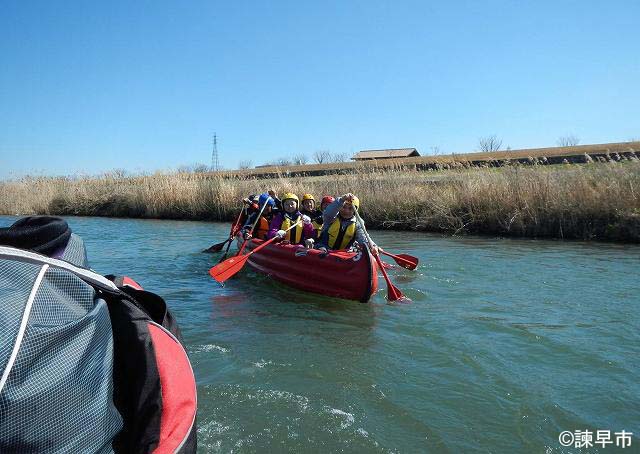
[
  {"x": 216, "y": 247},
  {"x": 223, "y": 271}
]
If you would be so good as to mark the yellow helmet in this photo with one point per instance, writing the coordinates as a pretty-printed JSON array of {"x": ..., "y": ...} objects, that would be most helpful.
[
  {"x": 355, "y": 202},
  {"x": 308, "y": 197},
  {"x": 290, "y": 195}
]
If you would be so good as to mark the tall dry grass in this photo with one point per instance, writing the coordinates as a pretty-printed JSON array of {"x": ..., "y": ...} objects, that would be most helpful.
[{"x": 595, "y": 201}]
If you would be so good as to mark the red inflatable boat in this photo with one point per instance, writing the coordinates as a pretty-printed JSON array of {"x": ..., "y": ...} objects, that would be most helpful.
[{"x": 340, "y": 274}]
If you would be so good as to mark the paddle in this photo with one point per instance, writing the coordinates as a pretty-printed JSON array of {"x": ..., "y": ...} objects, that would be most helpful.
[
  {"x": 224, "y": 256},
  {"x": 254, "y": 225},
  {"x": 387, "y": 266},
  {"x": 223, "y": 271},
  {"x": 232, "y": 235},
  {"x": 393, "y": 292},
  {"x": 404, "y": 260},
  {"x": 218, "y": 246}
]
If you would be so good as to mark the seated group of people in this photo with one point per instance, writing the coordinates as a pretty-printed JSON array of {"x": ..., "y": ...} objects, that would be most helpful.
[{"x": 334, "y": 226}]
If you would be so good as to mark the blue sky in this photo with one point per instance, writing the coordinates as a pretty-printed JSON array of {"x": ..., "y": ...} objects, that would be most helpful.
[{"x": 86, "y": 87}]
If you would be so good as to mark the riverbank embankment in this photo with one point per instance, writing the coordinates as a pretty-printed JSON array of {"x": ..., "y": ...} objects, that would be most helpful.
[
  {"x": 599, "y": 201},
  {"x": 575, "y": 154}
]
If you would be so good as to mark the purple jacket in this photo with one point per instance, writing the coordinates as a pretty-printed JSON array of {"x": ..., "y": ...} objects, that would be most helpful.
[{"x": 276, "y": 224}]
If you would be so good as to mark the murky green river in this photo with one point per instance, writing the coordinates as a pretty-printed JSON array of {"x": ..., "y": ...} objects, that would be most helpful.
[{"x": 507, "y": 343}]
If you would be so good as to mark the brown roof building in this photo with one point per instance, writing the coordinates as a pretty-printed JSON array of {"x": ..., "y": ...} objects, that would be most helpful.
[{"x": 385, "y": 154}]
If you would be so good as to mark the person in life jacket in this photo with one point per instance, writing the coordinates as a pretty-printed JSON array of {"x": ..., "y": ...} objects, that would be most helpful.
[
  {"x": 89, "y": 363},
  {"x": 302, "y": 233},
  {"x": 262, "y": 225},
  {"x": 250, "y": 205},
  {"x": 340, "y": 229},
  {"x": 309, "y": 209},
  {"x": 309, "y": 206},
  {"x": 326, "y": 200},
  {"x": 318, "y": 221}
]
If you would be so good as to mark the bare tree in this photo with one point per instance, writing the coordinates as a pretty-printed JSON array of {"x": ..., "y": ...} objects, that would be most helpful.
[
  {"x": 568, "y": 141},
  {"x": 283, "y": 162},
  {"x": 300, "y": 159},
  {"x": 245, "y": 164},
  {"x": 338, "y": 157},
  {"x": 118, "y": 174},
  {"x": 194, "y": 168},
  {"x": 200, "y": 168},
  {"x": 321, "y": 156},
  {"x": 435, "y": 150},
  {"x": 490, "y": 143}
]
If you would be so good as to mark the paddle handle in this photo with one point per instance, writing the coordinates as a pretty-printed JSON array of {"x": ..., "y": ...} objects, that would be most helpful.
[
  {"x": 393, "y": 292},
  {"x": 384, "y": 272},
  {"x": 236, "y": 225},
  {"x": 264, "y": 205},
  {"x": 254, "y": 225},
  {"x": 364, "y": 230}
]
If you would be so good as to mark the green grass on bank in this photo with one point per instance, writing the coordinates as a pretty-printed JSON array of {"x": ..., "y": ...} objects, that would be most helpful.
[{"x": 592, "y": 201}]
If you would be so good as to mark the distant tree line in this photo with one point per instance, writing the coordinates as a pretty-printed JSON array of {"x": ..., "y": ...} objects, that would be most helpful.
[
  {"x": 318, "y": 157},
  {"x": 493, "y": 143}
]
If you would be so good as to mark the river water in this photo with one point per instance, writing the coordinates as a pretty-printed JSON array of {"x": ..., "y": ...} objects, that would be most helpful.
[{"x": 507, "y": 343}]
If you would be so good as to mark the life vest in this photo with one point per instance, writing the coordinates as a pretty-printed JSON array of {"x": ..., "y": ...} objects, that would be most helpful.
[
  {"x": 312, "y": 214},
  {"x": 316, "y": 220},
  {"x": 317, "y": 226},
  {"x": 294, "y": 235},
  {"x": 341, "y": 237},
  {"x": 262, "y": 228}
]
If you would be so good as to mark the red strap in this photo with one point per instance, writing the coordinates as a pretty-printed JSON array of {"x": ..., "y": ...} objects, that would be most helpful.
[
  {"x": 178, "y": 387},
  {"x": 126, "y": 280}
]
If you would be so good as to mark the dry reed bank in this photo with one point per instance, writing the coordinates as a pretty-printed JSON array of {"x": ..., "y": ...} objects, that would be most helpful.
[{"x": 592, "y": 201}]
